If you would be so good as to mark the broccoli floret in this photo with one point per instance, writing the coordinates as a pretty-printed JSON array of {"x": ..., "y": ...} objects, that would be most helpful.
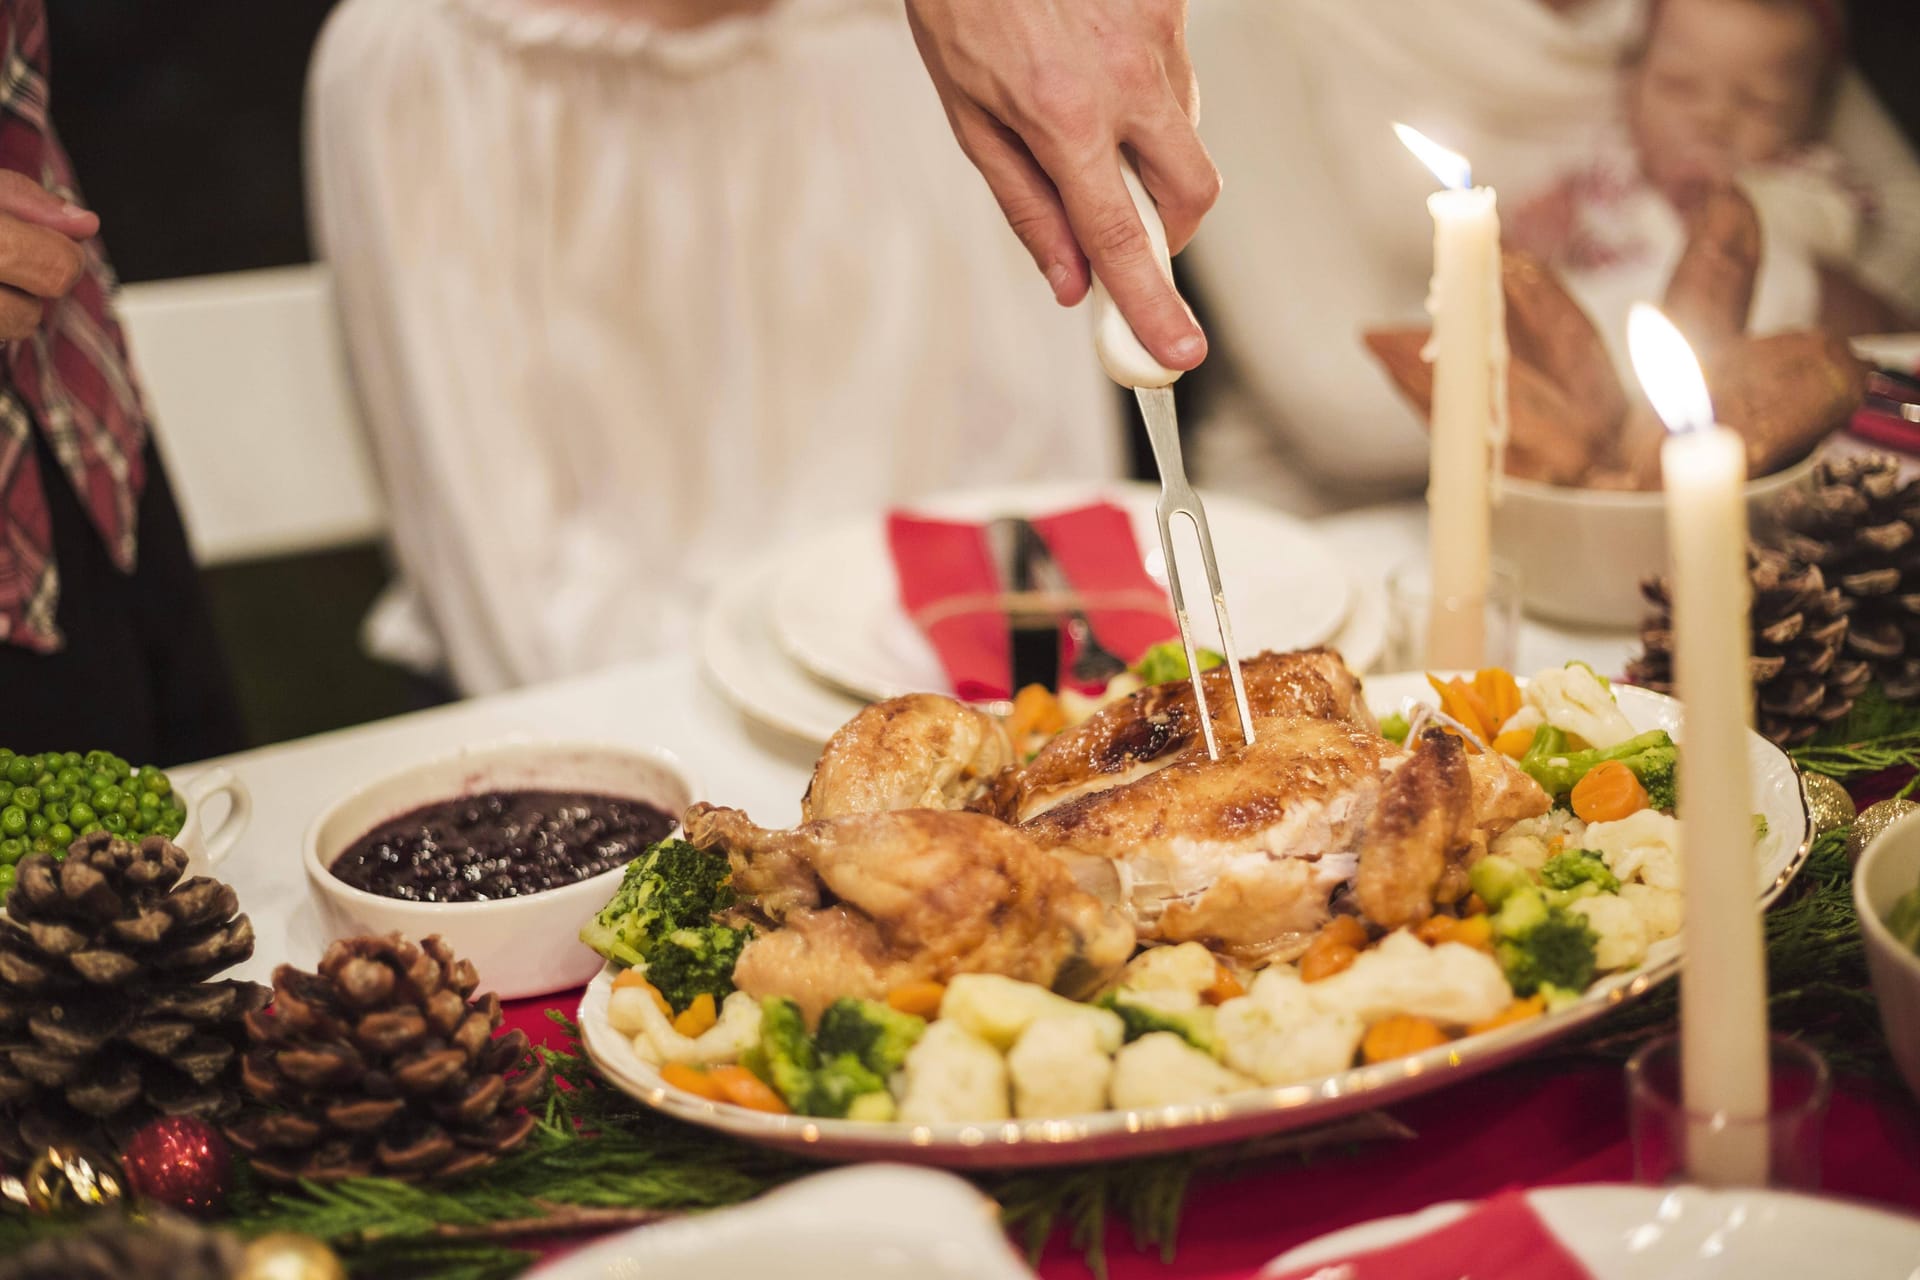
[
  {"x": 1539, "y": 944},
  {"x": 692, "y": 962},
  {"x": 837, "y": 1085},
  {"x": 785, "y": 1056},
  {"x": 1496, "y": 879},
  {"x": 877, "y": 1035},
  {"x": 1576, "y": 867},
  {"x": 874, "y": 1108},
  {"x": 1394, "y": 727},
  {"x": 1167, "y": 661},
  {"x": 1138, "y": 1018},
  {"x": 670, "y": 886},
  {"x": 1652, "y": 757}
]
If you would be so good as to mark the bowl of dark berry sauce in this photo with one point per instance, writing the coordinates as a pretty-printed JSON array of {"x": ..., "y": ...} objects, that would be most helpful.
[{"x": 502, "y": 850}]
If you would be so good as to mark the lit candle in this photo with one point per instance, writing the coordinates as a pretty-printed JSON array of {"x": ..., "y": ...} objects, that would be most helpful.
[
  {"x": 1723, "y": 976},
  {"x": 1468, "y": 351}
]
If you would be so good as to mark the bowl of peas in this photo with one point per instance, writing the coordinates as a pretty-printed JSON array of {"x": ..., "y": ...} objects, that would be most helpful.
[{"x": 50, "y": 799}]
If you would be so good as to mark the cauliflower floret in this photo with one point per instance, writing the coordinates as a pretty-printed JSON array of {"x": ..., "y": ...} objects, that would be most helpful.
[
  {"x": 1660, "y": 910},
  {"x": 1184, "y": 971},
  {"x": 1451, "y": 983},
  {"x": 1643, "y": 846},
  {"x": 737, "y": 1030},
  {"x": 1530, "y": 842},
  {"x": 952, "y": 1075},
  {"x": 1059, "y": 1069},
  {"x": 1161, "y": 1070},
  {"x": 1573, "y": 699},
  {"x": 1622, "y": 933},
  {"x": 1278, "y": 1033},
  {"x": 999, "y": 1009},
  {"x": 1527, "y": 717}
]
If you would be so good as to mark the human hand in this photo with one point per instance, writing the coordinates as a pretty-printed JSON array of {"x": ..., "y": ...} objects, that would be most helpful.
[
  {"x": 40, "y": 254},
  {"x": 1042, "y": 95}
]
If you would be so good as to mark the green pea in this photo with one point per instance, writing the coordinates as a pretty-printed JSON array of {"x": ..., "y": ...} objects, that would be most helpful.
[
  {"x": 13, "y": 820},
  {"x": 26, "y": 798},
  {"x": 94, "y": 759},
  {"x": 128, "y": 808},
  {"x": 6, "y": 881},
  {"x": 155, "y": 782},
  {"x": 71, "y": 777},
  {"x": 56, "y": 811},
  {"x": 151, "y": 803},
  {"x": 6, "y": 791},
  {"x": 37, "y": 824},
  {"x": 99, "y": 780},
  {"x": 91, "y": 828},
  {"x": 12, "y": 849},
  {"x": 40, "y": 844},
  {"x": 107, "y": 797},
  {"x": 115, "y": 823},
  {"x": 72, "y": 759},
  {"x": 54, "y": 791},
  {"x": 61, "y": 834},
  {"x": 6, "y": 754},
  {"x": 81, "y": 816},
  {"x": 20, "y": 771},
  {"x": 171, "y": 824}
]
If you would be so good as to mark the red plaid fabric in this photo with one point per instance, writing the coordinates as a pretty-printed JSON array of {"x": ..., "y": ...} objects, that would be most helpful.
[{"x": 71, "y": 379}]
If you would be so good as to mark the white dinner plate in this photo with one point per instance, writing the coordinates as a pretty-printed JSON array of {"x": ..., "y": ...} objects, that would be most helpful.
[
  {"x": 1675, "y": 1233},
  {"x": 740, "y": 656},
  {"x": 1283, "y": 583},
  {"x": 1106, "y": 1135}
]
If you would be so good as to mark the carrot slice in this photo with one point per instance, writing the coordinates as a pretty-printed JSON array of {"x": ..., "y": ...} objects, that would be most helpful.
[
  {"x": 921, "y": 999},
  {"x": 744, "y": 1089},
  {"x": 1518, "y": 1011},
  {"x": 693, "y": 1080},
  {"x": 1513, "y": 743},
  {"x": 1608, "y": 793},
  {"x": 1400, "y": 1035},
  {"x": 1499, "y": 694},
  {"x": 697, "y": 1018},
  {"x": 1036, "y": 709},
  {"x": 1225, "y": 986},
  {"x": 638, "y": 978},
  {"x": 1320, "y": 963}
]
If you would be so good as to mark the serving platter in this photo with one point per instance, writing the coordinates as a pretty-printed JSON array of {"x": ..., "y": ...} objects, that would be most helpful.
[
  {"x": 1778, "y": 794},
  {"x": 846, "y": 626}
]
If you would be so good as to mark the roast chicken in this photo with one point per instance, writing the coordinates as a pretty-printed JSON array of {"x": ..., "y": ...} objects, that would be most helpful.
[
  {"x": 921, "y": 751},
  {"x": 1160, "y": 726},
  {"x": 860, "y": 904}
]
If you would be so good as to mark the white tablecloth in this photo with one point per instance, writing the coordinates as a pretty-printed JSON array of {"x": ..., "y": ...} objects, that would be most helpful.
[{"x": 664, "y": 703}]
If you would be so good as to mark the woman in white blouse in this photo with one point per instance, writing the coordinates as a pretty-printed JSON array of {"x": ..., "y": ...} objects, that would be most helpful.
[{"x": 636, "y": 289}]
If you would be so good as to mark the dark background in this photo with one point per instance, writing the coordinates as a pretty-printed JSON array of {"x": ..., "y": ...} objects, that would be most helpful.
[{"x": 183, "y": 117}]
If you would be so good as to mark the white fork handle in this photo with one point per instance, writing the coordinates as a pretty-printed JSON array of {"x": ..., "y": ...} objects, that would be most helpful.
[{"x": 1126, "y": 361}]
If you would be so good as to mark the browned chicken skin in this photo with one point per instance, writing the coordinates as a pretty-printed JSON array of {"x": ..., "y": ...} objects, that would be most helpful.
[
  {"x": 866, "y": 902},
  {"x": 1160, "y": 726},
  {"x": 921, "y": 751}
]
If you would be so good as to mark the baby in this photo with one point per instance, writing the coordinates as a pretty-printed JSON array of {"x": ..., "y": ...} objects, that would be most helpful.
[{"x": 1721, "y": 91}]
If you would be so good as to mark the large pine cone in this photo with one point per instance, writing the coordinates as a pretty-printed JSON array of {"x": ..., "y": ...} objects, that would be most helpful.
[
  {"x": 125, "y": 1248},
  {"x": 1803, "y": 678},
  {"x": 384, "y": 1063},
  {"x": 107, "y": 1017},
  {"x": 1859, "y": 523}
]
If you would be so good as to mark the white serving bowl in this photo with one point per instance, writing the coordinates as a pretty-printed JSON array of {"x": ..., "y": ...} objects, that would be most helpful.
[
  {"x": 206, "y": 846},
  {"x": 1889, "y": 868},
  {"x": 524, "y": 946},
  {"x": 1582, "y": 553}
]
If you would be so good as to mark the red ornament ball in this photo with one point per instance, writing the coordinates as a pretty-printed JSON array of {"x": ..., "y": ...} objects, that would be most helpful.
[{"x": 180, "y": 1162}]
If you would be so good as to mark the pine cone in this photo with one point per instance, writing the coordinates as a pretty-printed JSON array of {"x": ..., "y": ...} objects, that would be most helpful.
[
  {"x": 107, "y": 1017},
  {"x": 119, "y": 1248},
  {"x": 1858, "y": 522},
  {"x": 1802, "y": 677},
  {"x": 383, "y": 1063}
]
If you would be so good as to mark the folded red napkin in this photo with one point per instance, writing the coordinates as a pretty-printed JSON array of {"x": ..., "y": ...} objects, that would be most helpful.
[
  {"x": 1500, "y": 1239},
  {"x": 951, "y": 588}
]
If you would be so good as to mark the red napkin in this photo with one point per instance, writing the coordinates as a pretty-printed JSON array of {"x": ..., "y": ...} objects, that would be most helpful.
[
  {"x": 951, "y": 588},
  {"x": 1500, "y": 1239}
]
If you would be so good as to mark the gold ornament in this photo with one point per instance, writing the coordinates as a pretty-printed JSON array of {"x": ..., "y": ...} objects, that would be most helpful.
[
  {"x": 61, "y": 1178},
  {"x": 287, "y": 1255},
  {"x": 1875, "y": 819},
  {"x": 1828, "y": 803}
]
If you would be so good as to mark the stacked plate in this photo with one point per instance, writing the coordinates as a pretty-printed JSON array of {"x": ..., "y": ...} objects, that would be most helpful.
[{"x": 801, "y": 639}]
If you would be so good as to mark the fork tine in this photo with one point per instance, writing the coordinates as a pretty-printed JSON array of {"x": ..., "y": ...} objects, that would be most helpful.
[
  {"x": 1198, "y": 514},
  {"x": 1163, "y": 512}
]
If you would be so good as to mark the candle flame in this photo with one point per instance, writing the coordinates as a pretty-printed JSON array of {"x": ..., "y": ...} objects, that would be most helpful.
[
  {"x": 1668, "y": 370},
  {"x": 1450, "y": 167}
]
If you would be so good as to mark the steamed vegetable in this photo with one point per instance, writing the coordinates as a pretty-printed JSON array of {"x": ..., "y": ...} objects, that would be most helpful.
[
  {"x": 873, "y": 1033},
  {"x": 1167, "y": 661},
  {"x": 1576, "y": 701},
  {"x": 1578, "y": 866},
  {"x": 1541, "y": 943},
  {"x": 661, "y": 920},
  {"x": 1650, "y": 756},
  {"x": 1144, "y": 1012},
  {"x": 785, "y": 1056}
]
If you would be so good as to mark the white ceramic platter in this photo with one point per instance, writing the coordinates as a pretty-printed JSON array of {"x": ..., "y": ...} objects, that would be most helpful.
[
  {"x": 1675, "y": 1233},
  {"x": 838, "y": 614},
  {"x": 1108, "y": 1135}
]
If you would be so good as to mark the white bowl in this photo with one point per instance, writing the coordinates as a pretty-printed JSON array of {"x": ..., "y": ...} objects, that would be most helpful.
[
  {"x": 1889, "y": 868},
  {"x": 206, "y": 846},
  {"x": 1582, "y": 553},
  {"x": 524, "y": 946}
]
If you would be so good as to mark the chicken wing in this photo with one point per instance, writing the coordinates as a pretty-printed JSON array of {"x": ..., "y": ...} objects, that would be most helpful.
[
  {"x": 1160, "y": 726},
  {"x": 862, "y": 903},
  {"x": 921, "y": 751}
]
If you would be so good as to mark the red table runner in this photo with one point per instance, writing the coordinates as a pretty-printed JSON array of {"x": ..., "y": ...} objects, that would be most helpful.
[{"x": 1538, "y": 1123}]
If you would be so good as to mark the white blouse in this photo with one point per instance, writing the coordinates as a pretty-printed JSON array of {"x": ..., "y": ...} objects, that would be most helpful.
[{"x": 626, "y": 306}]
